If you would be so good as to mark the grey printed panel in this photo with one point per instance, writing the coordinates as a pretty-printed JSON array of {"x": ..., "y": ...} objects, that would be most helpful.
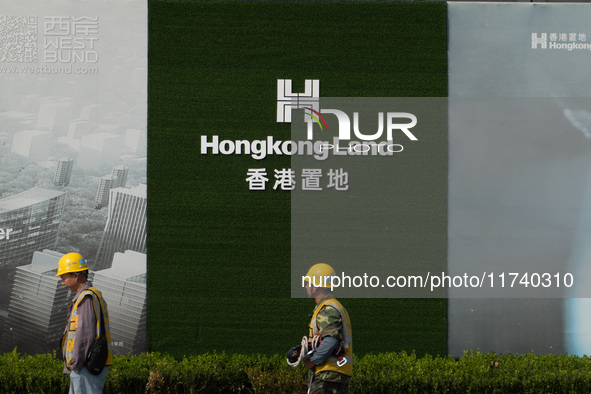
[
  {"x": 371, "y": 195},
  {"x": 518, "y": 192}
]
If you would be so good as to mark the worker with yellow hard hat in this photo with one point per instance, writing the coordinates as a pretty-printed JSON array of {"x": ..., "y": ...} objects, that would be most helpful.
[
  {"x": 86, "y": 343},
  {"x": 329, "y": 349},
  {"x": 70, "y": 263}
]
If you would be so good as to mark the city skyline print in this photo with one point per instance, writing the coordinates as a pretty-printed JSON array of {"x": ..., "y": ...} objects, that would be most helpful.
[{"x": 73, "y": 153}]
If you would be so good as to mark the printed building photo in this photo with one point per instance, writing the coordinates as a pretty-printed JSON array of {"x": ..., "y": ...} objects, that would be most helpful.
[{"x": 73, "y": 154}]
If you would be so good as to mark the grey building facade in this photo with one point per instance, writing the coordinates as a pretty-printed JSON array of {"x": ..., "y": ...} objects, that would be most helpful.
[
  {"x": 38, "y": 307},
  {"x": 126, "y": 225},
  {"x": 30, "y": 221}
]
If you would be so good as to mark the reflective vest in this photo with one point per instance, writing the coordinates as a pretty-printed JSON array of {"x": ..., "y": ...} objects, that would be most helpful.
[
  {"x": 70, "y": 334},
  {"x": 332, "y": 364}
]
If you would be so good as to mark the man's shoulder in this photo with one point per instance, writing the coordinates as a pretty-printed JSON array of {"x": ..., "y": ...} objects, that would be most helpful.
[
  {"x": 330, "y": 312},
  {"x": 87, "y": 293},
  {"x": 331, "y": 307},
  {"x": 84, "y": 298},
  {"x": 329, "y": 322}
]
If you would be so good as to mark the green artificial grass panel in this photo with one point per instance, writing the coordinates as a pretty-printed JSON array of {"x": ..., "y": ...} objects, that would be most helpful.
[{"x": 219, "y": 254}]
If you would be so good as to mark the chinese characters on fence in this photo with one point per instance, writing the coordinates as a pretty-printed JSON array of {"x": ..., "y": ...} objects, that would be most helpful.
[{"x": 311, "y": 179}]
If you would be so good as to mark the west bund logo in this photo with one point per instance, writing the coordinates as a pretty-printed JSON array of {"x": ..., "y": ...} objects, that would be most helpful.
[{"x": 310, "y": 102}]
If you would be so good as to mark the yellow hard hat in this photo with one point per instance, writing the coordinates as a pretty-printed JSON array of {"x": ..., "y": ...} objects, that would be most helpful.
[
  {"x": 320, "y": 275},
  {"x": 71, "y": 262}
]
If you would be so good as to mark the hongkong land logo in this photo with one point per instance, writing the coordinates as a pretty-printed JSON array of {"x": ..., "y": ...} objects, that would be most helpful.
[
  {"x": 347, "y": 137},
  {"x": 563, "y": 41},
  {"x": 310, "y": 102}
]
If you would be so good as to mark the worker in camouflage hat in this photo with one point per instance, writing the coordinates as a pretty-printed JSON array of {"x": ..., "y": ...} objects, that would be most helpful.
[{"x": 331, "y": 360}]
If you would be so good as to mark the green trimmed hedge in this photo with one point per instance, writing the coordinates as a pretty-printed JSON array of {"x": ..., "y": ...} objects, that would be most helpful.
[{"x": 474, "y": 372}]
